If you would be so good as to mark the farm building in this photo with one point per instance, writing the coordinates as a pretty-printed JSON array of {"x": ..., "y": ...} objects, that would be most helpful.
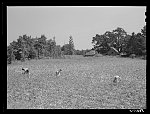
[
  {"x": 98, "y": 55},
  {"x": 124, "y": 55},
  {"x": 112, "y": 51},
  {"x": 90, "y": 53}
]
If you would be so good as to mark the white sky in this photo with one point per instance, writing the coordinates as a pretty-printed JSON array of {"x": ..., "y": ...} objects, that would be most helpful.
[{"x": 82, "y": 23}]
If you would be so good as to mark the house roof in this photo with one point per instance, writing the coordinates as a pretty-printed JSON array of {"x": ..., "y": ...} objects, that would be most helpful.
[
  {"x": 114, "y": 49},
  {"x": 123, "y": 53},
  {"x": 92, "y": 52}
]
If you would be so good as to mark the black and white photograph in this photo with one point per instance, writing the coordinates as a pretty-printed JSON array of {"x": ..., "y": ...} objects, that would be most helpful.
[{"x": 76, "y": 57}]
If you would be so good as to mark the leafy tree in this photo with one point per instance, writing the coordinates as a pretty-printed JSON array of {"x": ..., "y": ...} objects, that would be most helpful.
[
  {"x": 141, "y": 43},
  {"x": 97, "y": 40},
  {"x": 26, "y": 44},
  {"x": 143, "y": 31},
  {"x": 101, "y": 43},
  {"x": 53, "y": 48},
  {"x": 22, "y": 46},
  {"x": 71, "y": 48},
  {"x": 14, "y": 49},
  {"x": 137, "y": 43},
  {"x": 66, "y": 49},
  {"x": 125, "y": 45},
  {"x": 14, "y": 45},
  {"x": 133, "y": 45},
  {"x": 118, "y": 39},
  {"x": 79, "y": 52},
  {"x": 27, "y": 47},
  {"x": 48, "y": 47},
  {"x": 38, "y": 49},
  {"x": 57, "y": 51},
  {"x": 39, "y": 46},
  {"x": 42, "y": 42},
  {"x": 120, "y": 35},
  {"x": 32, "y": 53},
  {"x": 9, "y": 54}
]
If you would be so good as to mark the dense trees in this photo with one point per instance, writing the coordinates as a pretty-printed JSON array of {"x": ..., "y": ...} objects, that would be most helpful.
[
  {"x": 35, "y": 48},
  {"x": 71, "y": 44},
  {"x": 30, "y": 48},
  {"x": 68, "y": 49},
  {"x": 137, "y": 43},
  {"x": 123, "y": 42},
  {"x": 120, "y": 36},
  {"x": 116, "y": 38}
]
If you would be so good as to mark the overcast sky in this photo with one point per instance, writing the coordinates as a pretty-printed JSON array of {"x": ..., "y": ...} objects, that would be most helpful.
[{"x": 82, "y": 23}]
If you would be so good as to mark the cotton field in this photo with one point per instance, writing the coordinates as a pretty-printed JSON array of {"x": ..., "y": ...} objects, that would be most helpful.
[{"x": 84, "y": 83}]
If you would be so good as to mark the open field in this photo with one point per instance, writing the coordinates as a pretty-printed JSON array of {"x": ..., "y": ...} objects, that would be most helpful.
[{"x": 84, "y": 83}]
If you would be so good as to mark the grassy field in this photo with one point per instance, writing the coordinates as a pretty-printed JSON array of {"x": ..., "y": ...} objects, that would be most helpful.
[{"x": 85, "y": 83}]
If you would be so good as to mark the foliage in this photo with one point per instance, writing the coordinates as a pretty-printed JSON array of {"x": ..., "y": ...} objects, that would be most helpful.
[
  {"x": 136, "y": 44},
  {"x": 79, "y": 52},
  {"x": 35, "y": 48},
  {"x": 71, "y": 43},
  {"x": 123, "y": 42},
  {"x": 143, "y": 31},
  {"x": 101, "y": 43},
  {"x": 68, "y": 49},
  {"x": 30, "y": 48},
  {"x": 120, "y": 35}
]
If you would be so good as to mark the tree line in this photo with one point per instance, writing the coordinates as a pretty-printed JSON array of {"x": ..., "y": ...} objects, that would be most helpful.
[
  {"x": 27, "y": 47},
  {"x": 123, "y": 42}
]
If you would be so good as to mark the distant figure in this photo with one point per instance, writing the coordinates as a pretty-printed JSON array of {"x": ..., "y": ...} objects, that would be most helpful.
[
  {"x": 58, "y": 72},
  {"x": 25, "y": 70},
  {"x": 116, "y": 79}
]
